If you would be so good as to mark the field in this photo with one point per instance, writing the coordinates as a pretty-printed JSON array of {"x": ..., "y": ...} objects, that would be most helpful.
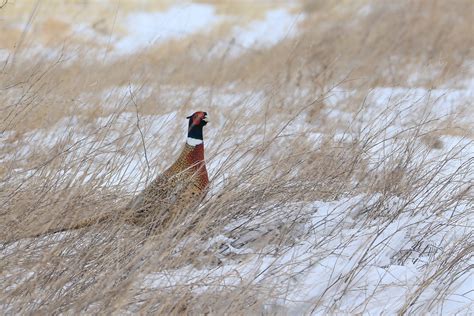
[{"x": 340, "y": 151}]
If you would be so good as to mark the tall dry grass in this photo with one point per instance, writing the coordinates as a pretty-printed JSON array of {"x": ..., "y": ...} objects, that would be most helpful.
[{"x": 76, "y": 130}]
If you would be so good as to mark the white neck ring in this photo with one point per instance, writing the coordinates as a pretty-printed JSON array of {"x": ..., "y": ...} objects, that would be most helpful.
[{"x": 193, "y": 141}]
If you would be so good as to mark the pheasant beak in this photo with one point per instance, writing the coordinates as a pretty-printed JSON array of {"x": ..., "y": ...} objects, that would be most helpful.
[{"x": 206, "y": 119}]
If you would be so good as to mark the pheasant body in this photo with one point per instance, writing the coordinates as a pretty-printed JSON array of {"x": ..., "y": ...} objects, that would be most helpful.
[{"x": 179, "y": 188}]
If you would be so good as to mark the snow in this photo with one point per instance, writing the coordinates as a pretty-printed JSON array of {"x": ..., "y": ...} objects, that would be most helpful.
[
  {"x": 148, "y": 28},
  {"x": 4, "y": 55},
  {"x": 385, "y": 261},
  {"x": 364, "y": 253},
  {"x": 145, "y": 29},
  {"x": 277, "y": 25},
  {"x": 320, "y": 262},
  {"x": 361, "y": 253}
]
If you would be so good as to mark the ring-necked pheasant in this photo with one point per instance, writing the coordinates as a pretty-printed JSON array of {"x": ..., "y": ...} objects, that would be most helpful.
[
  {"x": 180, "y": 187},
  {"x": 177, "y": 189}
]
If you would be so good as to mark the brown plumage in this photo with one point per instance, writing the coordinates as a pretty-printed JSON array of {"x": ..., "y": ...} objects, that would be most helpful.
[{"x": 179, "y": 188}]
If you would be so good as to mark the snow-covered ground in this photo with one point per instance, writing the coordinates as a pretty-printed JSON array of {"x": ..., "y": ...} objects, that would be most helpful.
[
  {"x": 363, "y": 253},
  {"x": 148, "y": 28},
  {"x": 336, "y": 259},
  {"x": 336, "y": 262},
  {"x": 145, "y": 29}
]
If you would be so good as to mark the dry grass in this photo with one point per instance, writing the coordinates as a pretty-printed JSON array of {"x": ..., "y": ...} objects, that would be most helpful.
[{"x": 294, "y": 127}]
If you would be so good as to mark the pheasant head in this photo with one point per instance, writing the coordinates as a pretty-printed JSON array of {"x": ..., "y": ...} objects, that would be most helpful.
[{"x": 196, "y": 122}]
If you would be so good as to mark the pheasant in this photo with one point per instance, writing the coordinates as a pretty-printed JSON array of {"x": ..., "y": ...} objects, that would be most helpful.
[
  {"x": 180, "y": 187},
  {"x": 177, "y": 189}
]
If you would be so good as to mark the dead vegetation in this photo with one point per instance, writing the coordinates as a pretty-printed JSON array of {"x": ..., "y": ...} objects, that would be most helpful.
[{"x": 306, "y": 153}]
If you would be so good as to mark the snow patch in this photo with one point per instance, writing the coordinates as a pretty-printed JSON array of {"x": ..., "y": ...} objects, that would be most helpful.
[
  {"x": 148, "y": 28},
  {"x": 277, "y": 25}
]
